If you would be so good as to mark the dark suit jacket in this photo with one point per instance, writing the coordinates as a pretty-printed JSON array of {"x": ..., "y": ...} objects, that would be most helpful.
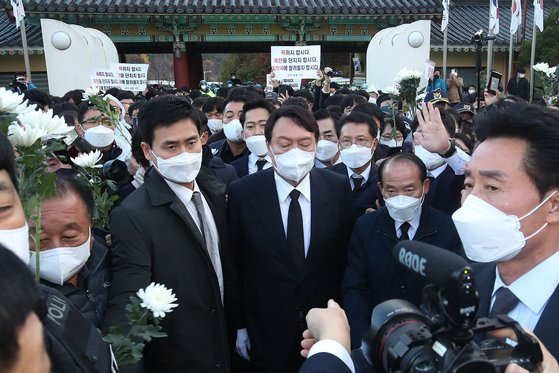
[
  {"x": 373, "y": 276},
  {"x": 275, "y": 296},
  {"x": 241, "y": 165},
  {"x": 520, "y": 88},
  {"x": 547, "y": 328},
  {"x": 444, "y": 192},
  {"x": 156, "y": 240},
  {"x": 224, "y": 151},
  {"x": 324, "y": 362},
  {"x": 368, "y": 195}
]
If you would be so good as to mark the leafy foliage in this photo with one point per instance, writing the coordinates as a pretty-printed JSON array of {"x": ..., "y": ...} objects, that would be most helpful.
[{"x": 547, "y": 47}]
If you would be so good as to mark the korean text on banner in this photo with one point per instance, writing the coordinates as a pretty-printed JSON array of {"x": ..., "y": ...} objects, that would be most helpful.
[
  {"x": 103, "y": 79},
  {"x": 299, "y": 62},
  {"x": 131, "y": 76}
]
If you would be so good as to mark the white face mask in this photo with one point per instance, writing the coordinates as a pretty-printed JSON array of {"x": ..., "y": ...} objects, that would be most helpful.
[
  {"x": 257, "y": 145},
  {"x": 392, "y": 143},
  {"x": 233, "y": 130},
  {"x": 60, "y": 264},
  {"x": 215, "y": 125},
  {"x": 17, "y": 241},
  {"x": 373, "y": 100},
  {"x": 471, "y": 91},
  {"x": 179, "y": 169},
  {"x": 521, "y": 76},
  {"x": 431, "y": 160},
  {"x": 294, "y": 165},
  {"x": 203, "y": 87},
  {"x": 326, "y": 150},
  {"x": 356, "y": 156},
  {"x": 487, "y": 233},
  {"x": 403, "y": 208},
  {"x": 100, "y": 136}
]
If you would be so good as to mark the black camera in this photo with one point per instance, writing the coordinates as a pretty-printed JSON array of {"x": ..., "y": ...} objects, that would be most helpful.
[
  {"x": 116, "y": 171},
  {"x": 444, "y": 334}
]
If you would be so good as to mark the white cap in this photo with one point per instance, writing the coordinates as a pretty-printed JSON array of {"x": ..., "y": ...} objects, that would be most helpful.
[{"x": 100, "y": 136}]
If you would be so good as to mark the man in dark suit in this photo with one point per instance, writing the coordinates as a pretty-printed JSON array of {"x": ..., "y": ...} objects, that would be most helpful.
[
  {"x": 518, "y": 85},
  {"x": 509, "y": 219},
  {"x": 357, "y": 133},
  {"x": 290, "y": 238},
  {"x": 172, "y": 231},
  {"x": 253, "y": 118},
  {"x": 372, "y": 275}
]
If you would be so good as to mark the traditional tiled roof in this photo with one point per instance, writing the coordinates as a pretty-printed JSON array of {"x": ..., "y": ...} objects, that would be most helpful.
[
  {"x": 10, "y": 36},
  {"x": 234, "y": 6}
]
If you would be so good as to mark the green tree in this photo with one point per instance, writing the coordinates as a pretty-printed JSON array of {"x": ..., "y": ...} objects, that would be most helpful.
[
  {"x": 547, "y": 47},
  {"x": 247, "y": 66}
]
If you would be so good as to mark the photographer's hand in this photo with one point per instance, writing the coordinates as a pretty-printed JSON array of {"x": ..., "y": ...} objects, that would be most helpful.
[
  {"x": 549, "y": 363},
  {"x": 326, "y": 323}
]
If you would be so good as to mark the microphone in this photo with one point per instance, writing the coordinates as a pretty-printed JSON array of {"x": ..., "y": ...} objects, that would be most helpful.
[{"x": 431, "y": 262}]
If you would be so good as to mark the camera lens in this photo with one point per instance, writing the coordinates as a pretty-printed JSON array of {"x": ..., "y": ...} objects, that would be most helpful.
[
  {"x": 116, "y": 171},
  {"x": 386, "y": 343}
]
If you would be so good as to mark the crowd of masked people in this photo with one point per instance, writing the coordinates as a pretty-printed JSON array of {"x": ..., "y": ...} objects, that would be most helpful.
[{"x": 256, "y": 207}]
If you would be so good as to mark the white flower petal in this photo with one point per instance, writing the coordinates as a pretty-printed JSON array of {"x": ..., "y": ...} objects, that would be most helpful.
[{"x": 91, "y": 160}]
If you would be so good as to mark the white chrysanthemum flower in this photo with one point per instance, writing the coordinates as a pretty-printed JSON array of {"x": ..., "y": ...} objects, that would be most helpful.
[
  {"x": 89, "y": 92},
  {"x": 545, "y": 68},
  {"x": 13, "y": 103},
  {"x": 52, "y": 126},
  {"x": 391, "y": 90},
  {"x": 88, "y": 160},
  {"x": 158, "y": 299},
  {"x": 24, "y": 136},
  {"x": 405, "y": 74}
]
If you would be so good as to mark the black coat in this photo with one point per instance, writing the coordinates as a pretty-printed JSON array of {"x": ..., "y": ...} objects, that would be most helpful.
[
  {"x": 224, "y": 151},
  {"x": 368, "y": 195},
  {"x": 547, "y": 328},
  {"x": 241, "y": 165},
  {"x": 445, "y": 191},
  {"x": 373, "y": 276},
  {"x": 324, "y": 362},
  {"x": 156, "y": 240},
  {"x": 519, "y": 88},
  {"x": 275, "y": 296}
]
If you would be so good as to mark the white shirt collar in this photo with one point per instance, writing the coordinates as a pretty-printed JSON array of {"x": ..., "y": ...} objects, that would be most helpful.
[
  {"x": 535, "y": 287},
  {"x": 284, "y": 188},
  {"x": 365, "y": 173},
  {"x": 184, "y": 193},
  {"x": 437, "y": 171},
  {"x": 253, "y": 158}
]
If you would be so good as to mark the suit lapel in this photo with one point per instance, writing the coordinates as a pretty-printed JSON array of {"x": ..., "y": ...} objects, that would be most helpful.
[
  {"x": 547, "y": 328},
  {"x": 320, "y": 202}
]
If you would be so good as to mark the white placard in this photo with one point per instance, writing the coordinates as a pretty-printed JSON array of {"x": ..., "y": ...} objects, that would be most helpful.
[
  {"x": 429, "y": 69},
  {"x": 125, "y": 76},
  {"x": 300, "y": 62}
]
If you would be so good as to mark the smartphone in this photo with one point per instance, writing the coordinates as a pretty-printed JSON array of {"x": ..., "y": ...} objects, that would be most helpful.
[
  {"x": 494, "y": 82},
  {"x": 282, "y": 90}
]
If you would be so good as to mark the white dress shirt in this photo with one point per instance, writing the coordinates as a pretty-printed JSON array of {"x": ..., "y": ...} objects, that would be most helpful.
[
  {"x": 185, "y": 196},
  {"x": 335, "y": 348},
  {"x": 283, "y": 189},
  {"x": 457, "y": 161},
  {"x": 414, "y": 225},
  {"x": 365, "y": 175},
  {"x": 533, "y": 289},
  {"x": 253, "y": 158}
]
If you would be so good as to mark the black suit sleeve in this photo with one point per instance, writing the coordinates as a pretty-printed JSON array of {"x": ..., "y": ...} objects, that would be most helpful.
[
  {"x": 131, "y": 264},
  {"x": 355, "y": 290},
  {"x": 324, "y": 363},
  {"x": 235, "y": 245}
]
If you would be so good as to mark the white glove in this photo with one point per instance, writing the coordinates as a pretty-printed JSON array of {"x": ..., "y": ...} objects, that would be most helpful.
[{"x": 243, "y": 344}]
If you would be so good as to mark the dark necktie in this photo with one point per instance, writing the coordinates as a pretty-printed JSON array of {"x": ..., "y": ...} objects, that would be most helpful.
[
  {"x": 205, "y": 230},
  {"x": 295, "y": 236},
  {"x": 260, "y": 164},
  {"x": 357, "y": 182},
  {"x": 404, "y": 228},
  {"x": 505, "y": 301}
]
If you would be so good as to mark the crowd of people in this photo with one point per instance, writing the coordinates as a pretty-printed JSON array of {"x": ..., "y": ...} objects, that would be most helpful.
[{"x": 272, "y": 217}]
